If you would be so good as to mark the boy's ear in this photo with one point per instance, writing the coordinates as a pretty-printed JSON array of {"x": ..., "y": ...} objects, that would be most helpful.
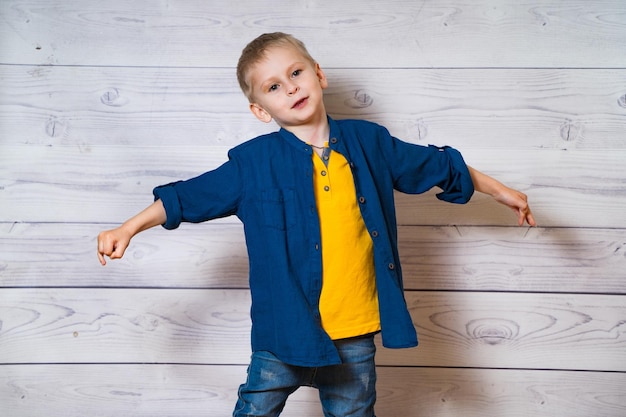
[
  {"x": 260, "y": 113},
  {"x": 321, "y": 76}
]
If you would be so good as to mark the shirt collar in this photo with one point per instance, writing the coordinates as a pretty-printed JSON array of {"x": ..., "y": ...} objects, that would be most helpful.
[{"x": 293, "y": 140}]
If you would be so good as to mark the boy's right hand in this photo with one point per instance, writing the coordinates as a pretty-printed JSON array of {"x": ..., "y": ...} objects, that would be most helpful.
[{"x": 112, "y": 243}]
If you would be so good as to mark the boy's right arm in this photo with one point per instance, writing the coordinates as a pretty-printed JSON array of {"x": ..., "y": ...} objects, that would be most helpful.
[{"x": 113, "y": 243}]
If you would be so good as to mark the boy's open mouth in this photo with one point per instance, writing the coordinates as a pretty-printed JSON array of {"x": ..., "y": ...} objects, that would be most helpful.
[{"x": 299, "y": 103}]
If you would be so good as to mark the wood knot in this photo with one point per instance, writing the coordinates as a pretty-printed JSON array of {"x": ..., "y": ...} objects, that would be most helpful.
[
  {"x": 113, "y": 98},
  {"x": 422, "y": 129},
  {"x": 622, "y": 101},
  {"x": 492, "y": 331},
  {"x": 570, "y": 131},
  {"x": 360, "y": 100},
  {"x": 55, "y": 127}
]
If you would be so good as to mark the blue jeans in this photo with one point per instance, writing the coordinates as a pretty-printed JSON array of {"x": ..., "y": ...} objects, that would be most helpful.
[{"x": 346, "y": 390}]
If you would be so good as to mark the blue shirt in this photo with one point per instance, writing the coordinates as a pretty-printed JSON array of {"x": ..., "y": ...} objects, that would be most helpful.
[{"x": 268, "y": 183}]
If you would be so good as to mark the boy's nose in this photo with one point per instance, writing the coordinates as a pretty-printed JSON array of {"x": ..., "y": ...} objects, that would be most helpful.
[{"x": 292, "y": 89}]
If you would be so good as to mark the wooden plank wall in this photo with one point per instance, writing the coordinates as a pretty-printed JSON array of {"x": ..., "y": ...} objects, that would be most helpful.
[{"x": 102, "y": 101}]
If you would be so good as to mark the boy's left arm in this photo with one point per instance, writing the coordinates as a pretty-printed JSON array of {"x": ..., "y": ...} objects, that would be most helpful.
[{"x": 514, "y": 199}]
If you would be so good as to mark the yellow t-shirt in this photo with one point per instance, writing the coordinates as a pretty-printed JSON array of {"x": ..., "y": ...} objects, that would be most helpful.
[{"x": 349, "y": 300}]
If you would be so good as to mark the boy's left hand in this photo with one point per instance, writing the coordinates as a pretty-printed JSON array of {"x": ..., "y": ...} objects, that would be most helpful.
[
  {"x": 518, "y": 202},
  {"x": 514, "y": 199}
]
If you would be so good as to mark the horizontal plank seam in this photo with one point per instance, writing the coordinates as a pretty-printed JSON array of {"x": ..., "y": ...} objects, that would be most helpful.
[
  {"x": 8, "y": 64},
  {"x": 235, "y": 223},
  {"x": 104, "y": 287},
  {"x": 504, "y": 368},
  {"x": 603, "y": 371},
  {"x": 515, "y": 292},
  {"x": 238, "y": 223}
]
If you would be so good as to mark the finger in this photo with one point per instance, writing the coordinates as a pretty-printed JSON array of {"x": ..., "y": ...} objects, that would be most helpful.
[
  {"x": 101, "y": 251},
  {"x": 101, "y": 258},
  {"x": 115, "y": 254},
  {"x": 525, "y": 215},
  {"x": 519, "y": 212},
  {"x": 118, "y": 251}
]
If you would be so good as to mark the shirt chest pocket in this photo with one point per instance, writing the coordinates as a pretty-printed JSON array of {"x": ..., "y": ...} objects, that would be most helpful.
[{"x": 279, "y": 211}]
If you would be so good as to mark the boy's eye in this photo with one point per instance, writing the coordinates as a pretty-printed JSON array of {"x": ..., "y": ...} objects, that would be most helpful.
[
  {"x": 273, "y": 87},
  {"x": 296, "y": 73}
]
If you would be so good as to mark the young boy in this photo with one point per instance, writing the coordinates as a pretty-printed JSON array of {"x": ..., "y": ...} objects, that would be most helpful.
[{"x": 316, "y": 201}]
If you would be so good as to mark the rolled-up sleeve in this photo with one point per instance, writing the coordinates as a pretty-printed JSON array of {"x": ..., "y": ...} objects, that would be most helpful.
[
  {"x": 208, "y": 196},
  {"x": 459, "y": 187},
  {"x": 169, "y": 198},
  {"x": 416, "y": 169}
]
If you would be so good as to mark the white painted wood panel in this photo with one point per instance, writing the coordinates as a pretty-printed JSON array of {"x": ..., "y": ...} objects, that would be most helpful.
[
  {"x": 178, "y": 390},
  {"x": 393, "y": 33},
  {"x": 459, "y": 329},
  {"x": 213, "y": 255},
  {"x": 494, "y": 108},
  {"x": 109, "y": 184},
  {"x": 100, "y": 102}
]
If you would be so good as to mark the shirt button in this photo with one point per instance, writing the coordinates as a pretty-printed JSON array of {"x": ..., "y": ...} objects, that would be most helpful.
[
  {"x": 323, "y": 173},
  {"x": 333, "y": 140},
  {"x": 391, "y": 266},
  {"x": 326, "y": 188},
  {"x": 374, "y": 233},
  {"x": 361, "y": 199}
]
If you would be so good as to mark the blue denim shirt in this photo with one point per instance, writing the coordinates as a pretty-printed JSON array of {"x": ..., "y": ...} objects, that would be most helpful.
[{"x": 267, "y": 182}]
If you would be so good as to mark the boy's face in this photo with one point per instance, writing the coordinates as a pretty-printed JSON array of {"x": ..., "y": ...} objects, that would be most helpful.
[{"x": 288, "y": 88}]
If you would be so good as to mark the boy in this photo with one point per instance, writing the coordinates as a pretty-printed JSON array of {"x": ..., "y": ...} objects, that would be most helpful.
[{"x": 316, "y": 202}]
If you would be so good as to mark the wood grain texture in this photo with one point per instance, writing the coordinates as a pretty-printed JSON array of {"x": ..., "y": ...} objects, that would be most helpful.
[
  {"x": 448, "y": 33},
  {"x": 144, "y": 326},
  {"x": 478, "y": 108},
  {"x": 502, "y": 330},
  {"x": 101, "y": 101},
  {"x": 510, "y": 393},
  {"x": 213, "y": 255},
  {"x": 460, "y": 329},
  {"x": 75, "y": 184},
  {"x": 175, "y": 390}
]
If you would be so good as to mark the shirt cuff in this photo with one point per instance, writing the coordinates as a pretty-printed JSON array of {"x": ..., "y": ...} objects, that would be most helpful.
[
  {"x": 168, "y": 196},
  {"x": 461, "y": 186}
]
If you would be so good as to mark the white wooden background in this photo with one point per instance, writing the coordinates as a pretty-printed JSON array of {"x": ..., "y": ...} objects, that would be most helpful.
[{"x": 102, "y": 101}]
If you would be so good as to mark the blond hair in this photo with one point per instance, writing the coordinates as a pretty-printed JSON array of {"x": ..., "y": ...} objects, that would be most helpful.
[{"x": 256, "y": 50}]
